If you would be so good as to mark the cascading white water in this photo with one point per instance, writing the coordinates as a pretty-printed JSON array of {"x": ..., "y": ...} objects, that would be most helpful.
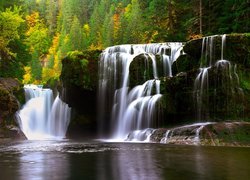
[
  {"x": 132, "y": 109},
  {"x": 223, "y": 76},
  {"x": 140, "y": 135},
  {"x": 188, "y": 133},
  {"x": 201, "y": 84},
  {"x": 140, "y": 108},
  {"x": 41, "y": 118},
  {"x": 201, "y": 93}
]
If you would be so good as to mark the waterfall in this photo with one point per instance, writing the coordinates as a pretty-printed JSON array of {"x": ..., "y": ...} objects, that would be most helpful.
[
  {"x": 41, "y": 118},
  {"x": 201, "y": 85},
  {"x": 132, "y": 107},
  {"x": 215, "y": 78}
]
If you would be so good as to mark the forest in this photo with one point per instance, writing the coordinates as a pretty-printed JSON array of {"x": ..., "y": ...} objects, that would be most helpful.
[{"x": 36, "y": 34}]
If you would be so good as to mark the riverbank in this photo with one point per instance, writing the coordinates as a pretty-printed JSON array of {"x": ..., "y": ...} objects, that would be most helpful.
[{"x": 10, "y": 133}]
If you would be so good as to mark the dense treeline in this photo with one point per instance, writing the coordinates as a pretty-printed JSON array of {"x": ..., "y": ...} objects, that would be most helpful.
[{"x": 36, "y": 34}]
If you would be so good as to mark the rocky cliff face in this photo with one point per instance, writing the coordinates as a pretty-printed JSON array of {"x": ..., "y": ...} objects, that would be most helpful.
[
  {"x": 11, "y": 95},
  {"x": 79, "y": 89},
  {"x": 210, "y": 81}
]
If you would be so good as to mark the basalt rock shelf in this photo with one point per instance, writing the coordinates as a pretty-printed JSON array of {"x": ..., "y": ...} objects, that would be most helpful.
[{"x": 209, "y": 133}]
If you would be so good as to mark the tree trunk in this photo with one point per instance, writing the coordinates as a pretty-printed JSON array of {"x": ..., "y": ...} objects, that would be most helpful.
[{"x": 200, "y": 14}]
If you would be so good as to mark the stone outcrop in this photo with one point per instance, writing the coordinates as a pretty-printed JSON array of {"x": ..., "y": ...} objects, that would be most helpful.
[
  {"x": 212, "y": 134},
  {"x": 11, "y": 132},
  {"x": 79, "y": 79},
  {"x": 228, "y": 87},
  {"x": 11, "y": 95}
]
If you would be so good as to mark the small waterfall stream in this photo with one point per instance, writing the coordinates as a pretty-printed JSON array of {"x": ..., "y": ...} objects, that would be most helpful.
[
  {"x": 132, "y": 108},
  {"x": 42, "y": 117},
  {"x": 217, "y": 73},
  {"x": 188, "y": 133}
]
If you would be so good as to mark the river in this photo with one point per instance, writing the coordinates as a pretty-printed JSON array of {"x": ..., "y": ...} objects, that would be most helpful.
[{"x": 61, "y": 160}]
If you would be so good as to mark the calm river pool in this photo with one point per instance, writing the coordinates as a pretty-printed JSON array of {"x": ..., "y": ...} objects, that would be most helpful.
[{"x": 49, "y": 160}]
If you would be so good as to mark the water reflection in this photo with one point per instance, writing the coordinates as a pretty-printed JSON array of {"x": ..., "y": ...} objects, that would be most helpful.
[
  {"x": 128, "y": 164},
  {"x": 34, "y": 160},
  {"x": 40, "y": 166},
  {"x": 121, "y": 161},
  {"x": 174, "y": 162}
]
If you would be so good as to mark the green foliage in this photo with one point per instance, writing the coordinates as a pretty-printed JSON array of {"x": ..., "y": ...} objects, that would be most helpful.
[
  {"x": 12, "y": 50},
  {"x": 10, "y": 22},
  {"x": 76, "y": 35},
  {"x": 96, "y": 24},
  {"x": 108, "y": 28},
  {"x": 80, "y": 69},
  {"x": 133, "y": 16},
  {"x": 74, "y": 55},
  {"x": 36, "y": 67},
  {"x": 51, "y": 16},
  {"x": 37, "y": 35},
  {"x": 76, "y": 68},
  {"x": 39, "y": 43}
]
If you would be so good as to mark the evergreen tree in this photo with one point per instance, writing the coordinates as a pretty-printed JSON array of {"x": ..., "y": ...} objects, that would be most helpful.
[
  {"x": 39, "y": 43},
  {"x": 157, "y": 17},
  {"x": 75, "y": 35},
  {"x": 51, "y": 16},
  {"x": 133, "y": 17},
  {"x": 96, "y": 23},
  {"x": 86, "y": 36},
  {"x": 108, "y": 29}
]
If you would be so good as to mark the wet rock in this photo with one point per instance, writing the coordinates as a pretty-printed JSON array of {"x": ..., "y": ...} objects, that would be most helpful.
[
  {"x": 11, "y": 95},
  {"x": 228, "y": 91},
  {"x": 226, "y": 133},
  {"x": 10, "y": 133},
  {"x": 237, "y": 48},
  {"x": 211, "y": 134}
]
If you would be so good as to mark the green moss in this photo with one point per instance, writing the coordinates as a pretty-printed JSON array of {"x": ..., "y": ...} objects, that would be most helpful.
[
  {"x": 237, "y": 49},
  {"x": 80, "y": 69},
  {"x": 226, "y": 133}
]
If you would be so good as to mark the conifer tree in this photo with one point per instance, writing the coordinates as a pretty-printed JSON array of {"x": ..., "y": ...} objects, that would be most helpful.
[{"x": 75, "y": 35}]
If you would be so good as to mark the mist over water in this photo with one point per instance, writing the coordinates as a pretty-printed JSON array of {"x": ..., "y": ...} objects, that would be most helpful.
[{"x": 42, "y": 117}]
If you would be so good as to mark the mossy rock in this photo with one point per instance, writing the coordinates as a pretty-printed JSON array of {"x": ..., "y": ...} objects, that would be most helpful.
[
  {"x": 237, "y": 49},
  {"x": 184, "y": 63},
  {"x": 81, "y": 69},
  {"x": 208, "y": 134},
  {"x": 140, "y": 70},
  {"x": 229, "y": 89},
  {"x": 78, "y": 88},
  {"x": 11, "y": 95},
  {"x": 226, "y": 133},
  {"x": 177, "y": 100}
]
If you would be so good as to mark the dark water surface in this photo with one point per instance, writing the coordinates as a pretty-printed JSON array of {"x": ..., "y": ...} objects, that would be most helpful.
[{"x": 49, "y": 160}]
